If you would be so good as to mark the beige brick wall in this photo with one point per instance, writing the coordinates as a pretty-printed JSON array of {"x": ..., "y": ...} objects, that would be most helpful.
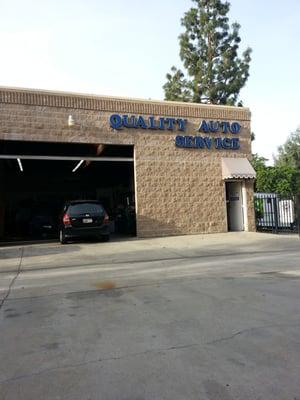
[
  {"x": 178, "y": 191},
  {"x": 250, "y": 207}
]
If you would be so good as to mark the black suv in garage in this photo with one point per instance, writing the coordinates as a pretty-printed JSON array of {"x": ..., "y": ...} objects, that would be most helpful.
[{"x": 83, "y": 218}]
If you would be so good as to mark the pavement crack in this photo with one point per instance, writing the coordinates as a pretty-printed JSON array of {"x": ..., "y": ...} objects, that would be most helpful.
[
  {"x": 13, "y": 280},
  {"x": 97, "y": 361},
  {"x": 241, "y": 332},
  {"x": 229, "y": 337},
  {"x": 137, "y": 354}
]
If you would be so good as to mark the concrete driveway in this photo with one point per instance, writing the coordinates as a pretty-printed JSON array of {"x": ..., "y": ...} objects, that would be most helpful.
[{"x": 196, "y": 317}]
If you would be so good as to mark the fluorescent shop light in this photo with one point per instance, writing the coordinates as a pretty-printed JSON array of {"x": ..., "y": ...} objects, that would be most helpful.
[
  {"x": 77, "y": 166},
  {"x": 20, "y": 164}
]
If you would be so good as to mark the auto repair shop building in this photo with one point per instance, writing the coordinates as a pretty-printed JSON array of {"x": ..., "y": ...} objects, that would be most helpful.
[{"x": 183, "y": 167}]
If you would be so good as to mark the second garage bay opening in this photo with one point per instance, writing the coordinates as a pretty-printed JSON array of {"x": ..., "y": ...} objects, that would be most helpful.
[{"x": 38, "y": 177}]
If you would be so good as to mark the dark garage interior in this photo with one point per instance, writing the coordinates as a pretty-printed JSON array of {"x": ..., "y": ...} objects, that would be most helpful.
[{"x": 36, "y": 181}]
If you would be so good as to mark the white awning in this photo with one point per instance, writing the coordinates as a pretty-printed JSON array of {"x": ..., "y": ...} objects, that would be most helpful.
[{"x": 237, "y": 168}]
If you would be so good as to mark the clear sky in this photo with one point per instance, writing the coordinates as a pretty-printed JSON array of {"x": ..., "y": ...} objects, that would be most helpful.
[{"x": 125, "y": 48}]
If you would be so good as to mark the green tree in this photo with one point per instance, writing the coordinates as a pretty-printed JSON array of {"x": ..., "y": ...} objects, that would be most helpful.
[
  {"x": 276, "y": 180},
  {"x": 282, "y": 179},
  {"x": 178, "y": 88},
  {"x": 258, "y": 162},
  {"x": 289, "y": 153},
  {"x": 209, "y": 52}
]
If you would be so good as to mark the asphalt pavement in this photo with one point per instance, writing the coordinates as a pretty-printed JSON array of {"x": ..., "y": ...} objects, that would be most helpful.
[{"x": 201, "y": 317}]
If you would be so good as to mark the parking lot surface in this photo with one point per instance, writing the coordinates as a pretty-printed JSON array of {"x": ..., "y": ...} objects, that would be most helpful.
[{"x": 201, "y": 317}]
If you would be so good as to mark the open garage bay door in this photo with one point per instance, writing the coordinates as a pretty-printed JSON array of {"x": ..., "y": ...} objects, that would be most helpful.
[{"x": 37, "y": 178}]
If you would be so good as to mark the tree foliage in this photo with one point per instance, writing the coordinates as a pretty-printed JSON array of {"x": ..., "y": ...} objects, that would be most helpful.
[
  {"x": 289, "y": 152},
  {"x": 209, "y": 52},
  {"x": 178, "y": 88},
  {"x": 282, "y": 179}
]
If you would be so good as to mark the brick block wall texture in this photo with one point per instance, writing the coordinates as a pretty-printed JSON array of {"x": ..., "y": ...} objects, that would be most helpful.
[{"x": 178, "y": 191}]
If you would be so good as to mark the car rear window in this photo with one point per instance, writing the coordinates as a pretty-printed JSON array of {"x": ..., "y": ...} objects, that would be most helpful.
[{"x": 86, "y": 208}]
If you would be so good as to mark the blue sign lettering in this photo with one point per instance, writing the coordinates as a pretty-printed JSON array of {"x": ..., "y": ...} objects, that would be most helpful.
[
  {"x": 208, "y": 142},
  {"x": 128, "y": 123},
  {"x": 203, "y": 127},
  {"x": 213, "y": 126},
  {"x": 189, "y": 141},
  {"x": 139, "y": 122},
  {"x": 116, "y": 121},
  {"x": 235, "y": 143},
  {"x": 171, "y": 122},
  {"x": 179, "y": 141},
  {"x": 161, "y": 124},
  {"x": 218, "y": 143},
  {"x": 219, "y": 126},
  {"x": 181, "y": 124},
  {"x": 235, "y": 127},
  {"x": 199, "y": 142},
  {"x": 226, "y": 143},
  {"x": 225, "y": 126},
  {"x": 152, "y": 123}
]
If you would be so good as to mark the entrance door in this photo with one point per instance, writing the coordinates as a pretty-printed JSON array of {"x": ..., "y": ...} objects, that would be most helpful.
[{"x": 234, "y": 203}]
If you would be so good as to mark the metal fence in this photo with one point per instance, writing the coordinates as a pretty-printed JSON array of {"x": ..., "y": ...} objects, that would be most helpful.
[{"x": 276, "y": 213}]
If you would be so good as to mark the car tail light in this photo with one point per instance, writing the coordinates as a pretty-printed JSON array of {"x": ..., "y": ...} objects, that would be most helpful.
[
  {"x": 66, "y": 220},
  {"x": 106, "y": 219}
]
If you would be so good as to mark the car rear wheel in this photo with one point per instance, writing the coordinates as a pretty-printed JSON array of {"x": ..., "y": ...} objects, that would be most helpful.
[{"x": 62, "y": 237}]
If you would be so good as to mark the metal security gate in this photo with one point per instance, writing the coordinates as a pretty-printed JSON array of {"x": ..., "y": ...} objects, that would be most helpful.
[{"x": 277, "y": 213}]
